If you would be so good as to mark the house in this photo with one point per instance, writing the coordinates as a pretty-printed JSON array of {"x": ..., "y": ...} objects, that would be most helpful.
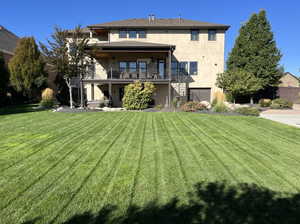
[
  {"x": 8, "y": 43},
  {"x": 181, "y": 57},
  {"x": 289, "y": 88},
  {"x": 289, "y": 80}
]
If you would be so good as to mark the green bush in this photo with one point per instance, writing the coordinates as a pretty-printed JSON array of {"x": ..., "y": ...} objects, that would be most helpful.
[
  {"x": 251, "y": 111},
  {"x": 138, "y": 95},
  {"x": 265, "y": 102},
  {"x": 159, "y": 107},
  {"x": 192, "y": 106},
  {"x": 220, "y": 107},
  {"x": 47, "y": 103},
  {"x": 281, "y": 104}
]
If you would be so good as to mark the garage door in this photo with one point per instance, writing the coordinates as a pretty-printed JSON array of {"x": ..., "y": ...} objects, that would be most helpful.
[{"x": 199, "y": 94}]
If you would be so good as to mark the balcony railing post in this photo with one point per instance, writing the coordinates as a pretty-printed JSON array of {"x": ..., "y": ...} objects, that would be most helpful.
[{"x": 111, "y": 72}]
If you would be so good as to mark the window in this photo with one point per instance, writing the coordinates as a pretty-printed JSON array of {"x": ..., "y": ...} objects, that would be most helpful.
[
  {"x": 183, "y": 68},
  {"x": 132, "y": 34},
  {"x": 122, "y": 66},
  {"x": 143, "y": 67},
  {"x": 212, "y": 34},
  {"x": 174, "y": 67},
  {"x": 132, "y": 66},
  {"x": 142, "y": 34},
  {"x": 194, "y": 35},
  {"x": 122, "y": 34},
  {"x": 193, "y": 68}
]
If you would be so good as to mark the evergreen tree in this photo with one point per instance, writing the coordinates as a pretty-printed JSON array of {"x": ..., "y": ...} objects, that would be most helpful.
[
  {"x": 27, "y": 73},
  {"x": 255, "y": 52},
  {"x": 4, "y": 79}
]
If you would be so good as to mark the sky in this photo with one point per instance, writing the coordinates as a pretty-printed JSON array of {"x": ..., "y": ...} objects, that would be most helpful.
[{"x": 37, "y": 17}]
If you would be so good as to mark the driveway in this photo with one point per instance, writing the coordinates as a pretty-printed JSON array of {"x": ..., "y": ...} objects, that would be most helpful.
[{"x": 290, "y": 117}]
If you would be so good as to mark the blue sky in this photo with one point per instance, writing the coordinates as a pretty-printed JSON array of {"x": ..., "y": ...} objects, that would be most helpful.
[{"x": 37, "y": 18}]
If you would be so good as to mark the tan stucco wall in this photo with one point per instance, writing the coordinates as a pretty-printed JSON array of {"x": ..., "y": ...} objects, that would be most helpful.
[
  {"x": 208, "y": 54},
  {"x": 289, "y": 81}
]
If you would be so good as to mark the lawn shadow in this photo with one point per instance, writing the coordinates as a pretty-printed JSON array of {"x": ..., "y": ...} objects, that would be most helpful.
[
  {"x": 16, "y": 109},
  {"x": 210, "y": 203}
]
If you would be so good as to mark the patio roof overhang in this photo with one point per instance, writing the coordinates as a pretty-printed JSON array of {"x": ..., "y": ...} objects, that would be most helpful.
[{"x": 130, "y": 46}]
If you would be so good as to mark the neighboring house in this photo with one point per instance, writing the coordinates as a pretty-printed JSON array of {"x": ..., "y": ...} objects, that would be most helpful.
[
  {"x": 181, "y": 57},
  {"x": 289, "y": 88},
  {"x": 289, "y": 80},
  {"x": 8, "y": 43}
]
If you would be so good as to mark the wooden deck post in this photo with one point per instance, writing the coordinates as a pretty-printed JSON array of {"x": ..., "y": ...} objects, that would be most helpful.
[{"x": 109, "y": 92}]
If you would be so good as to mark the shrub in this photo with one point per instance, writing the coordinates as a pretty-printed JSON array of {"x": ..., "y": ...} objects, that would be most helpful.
[
  {"x": 47, "y": 98},
  {"x": 250, "y": 111},
  {"x": 138, "y": 95},
  {"x": 192, "y": 106},
  {"x": 220, "y": 107},
  {"x": 281, "y": 104},
  {"x": 47, "y": 94},
  {"x": 265, "y": 102},
  {"x": 47, "y": 103}
]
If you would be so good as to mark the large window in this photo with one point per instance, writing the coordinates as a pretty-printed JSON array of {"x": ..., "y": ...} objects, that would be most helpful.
[
  {"x": 183, "y": 68},
  {"x": 143, "y": 67},
  {"x": 132, "y": 34},
  {"x": 132, "y": 66},
  {"x": 122, "y": 34},
  {"x": 212, "y": 34},
  {"x": 194, "y": 35},
  {"x": 123, "y": 66},
  {"x": 193, "y": 68},
  {"x": 142, "y": 33}
]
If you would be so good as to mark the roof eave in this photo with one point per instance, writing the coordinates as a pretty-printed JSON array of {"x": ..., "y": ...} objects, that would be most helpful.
[{"x": 160, "y": 27}]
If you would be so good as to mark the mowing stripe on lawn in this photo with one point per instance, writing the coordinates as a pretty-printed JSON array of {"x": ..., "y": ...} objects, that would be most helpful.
[
  {"x": 50, "y": 142},
  {"x": 105, "y": 173},
  {"x": 189, "y": 158},
  {"x": 90, "y": 173},
  {"x": 210, "y": 146},
  {"x": 41, "y": 176},
  {"x": 253, "y": 156},
  {"x": 55, "y": 151},
  {"x": 49, "y": 193}
]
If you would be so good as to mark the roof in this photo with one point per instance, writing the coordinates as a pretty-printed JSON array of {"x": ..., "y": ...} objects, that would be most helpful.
[
  {"x": 178, "y": 23},
  {"x": 288, "y": 73},
  {"x": 8, "y": 40},
  {"x": 132, "y": 45}
]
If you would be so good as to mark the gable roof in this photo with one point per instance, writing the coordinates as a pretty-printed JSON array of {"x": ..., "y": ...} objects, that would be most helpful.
[
  {"x": 178, "y": 23},
  {"x": 288, "y": 73},
  {"x": 8, "y": 40}
]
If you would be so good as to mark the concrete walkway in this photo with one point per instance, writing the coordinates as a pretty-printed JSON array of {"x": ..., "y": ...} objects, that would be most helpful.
[{"x": 290, "y": 117}]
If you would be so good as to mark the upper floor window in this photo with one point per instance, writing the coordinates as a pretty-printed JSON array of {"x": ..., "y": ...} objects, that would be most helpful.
[
  {"x": 194, "y": 35},
  {"x": 132, "y": 66},
  {"x": 193, "y": 68},
  {"x": 142, "y": 33},
  {"x": 132, "y": 34},
  {"x": 122, "y": 34},
  {"x": 183, "y": 68},
  {"x": 212, "y": 34},
  {"x": 174, "y": 67},
  {"x": 123, "y": 66}
]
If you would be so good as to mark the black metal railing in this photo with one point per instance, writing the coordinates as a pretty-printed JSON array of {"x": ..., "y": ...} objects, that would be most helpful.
[{"x": 138, "y": 75}]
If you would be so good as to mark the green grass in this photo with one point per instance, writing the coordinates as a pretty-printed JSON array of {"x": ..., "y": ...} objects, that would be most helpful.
[{"x": 92, "y": 167}]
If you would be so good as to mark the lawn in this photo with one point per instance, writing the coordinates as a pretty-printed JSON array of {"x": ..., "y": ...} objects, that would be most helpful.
[{"x": 138, "y": 167}]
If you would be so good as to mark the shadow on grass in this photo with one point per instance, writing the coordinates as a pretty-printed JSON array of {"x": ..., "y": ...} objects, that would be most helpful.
[
  {"x": 210, "y": 203},
  {"x": 16, "y": 109}
]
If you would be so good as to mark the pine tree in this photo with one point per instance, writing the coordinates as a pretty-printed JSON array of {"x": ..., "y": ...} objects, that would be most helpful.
[
  {"x": 27, "y": 73},
  {"x": 4, "y": 79},
  {"x": 255, "y": 51}
]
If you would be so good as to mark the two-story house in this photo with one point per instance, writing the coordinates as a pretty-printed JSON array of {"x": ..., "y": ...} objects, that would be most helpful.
[{"x": 181, "y": 57}]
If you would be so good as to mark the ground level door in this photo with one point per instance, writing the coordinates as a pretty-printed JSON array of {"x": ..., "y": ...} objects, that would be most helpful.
[{"x": 199, "y": 94}]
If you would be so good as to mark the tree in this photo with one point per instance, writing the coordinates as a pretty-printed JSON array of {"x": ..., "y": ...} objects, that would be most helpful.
[
  {"x": 238, "y": 83},
  {"x": 4, "y": 79},
  {"x": 66, "y": 53},
  {"x": 138, "y": 95},
  {"x": 255, "y": 52},
  {"x": 27, "y": 73}
]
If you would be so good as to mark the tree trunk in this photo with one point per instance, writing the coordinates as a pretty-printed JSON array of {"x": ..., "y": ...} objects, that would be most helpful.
[
  {"x": 81, "y": 93},
  {"x": 68, "y": 81},
  {"x": 251, "y": 100}
]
